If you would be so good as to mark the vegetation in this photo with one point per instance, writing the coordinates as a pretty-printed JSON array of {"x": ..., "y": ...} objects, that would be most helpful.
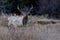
[{"x": 50, "y": 7}]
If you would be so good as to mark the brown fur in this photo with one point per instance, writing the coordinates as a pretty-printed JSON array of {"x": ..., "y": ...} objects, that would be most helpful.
[{"x": 25, "y": 19}]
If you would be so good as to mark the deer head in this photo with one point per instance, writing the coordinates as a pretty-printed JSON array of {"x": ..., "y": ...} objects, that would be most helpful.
[{"x": 25, "y": 10}]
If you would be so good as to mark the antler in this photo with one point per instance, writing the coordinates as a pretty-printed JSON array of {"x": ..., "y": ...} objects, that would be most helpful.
[
  {"x": 19, "y": 9},
  {"x": 30, "y": 9},
  {"x": 25, "y": 10}
]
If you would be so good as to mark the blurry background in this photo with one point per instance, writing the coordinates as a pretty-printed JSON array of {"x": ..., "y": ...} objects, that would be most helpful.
[
  {"x": 41, "y": 7},
  {"x": 39, "y": 27}
]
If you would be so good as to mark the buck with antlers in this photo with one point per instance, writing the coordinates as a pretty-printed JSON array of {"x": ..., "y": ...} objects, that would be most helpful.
[{"x": 20, "y": 20}]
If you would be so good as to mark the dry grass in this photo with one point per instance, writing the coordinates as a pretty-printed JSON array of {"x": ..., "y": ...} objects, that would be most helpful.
[{"x": 32, "y": 31}]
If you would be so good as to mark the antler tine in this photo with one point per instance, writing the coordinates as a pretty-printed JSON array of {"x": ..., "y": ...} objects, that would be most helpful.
[
  {"x": 25, "y": 10},
  {"x": 30, "y": 9},
  {"x": 21, "y": 10}
]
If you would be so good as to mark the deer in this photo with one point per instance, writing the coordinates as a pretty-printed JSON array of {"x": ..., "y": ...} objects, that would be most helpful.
[{"x": 20, "y": 20}]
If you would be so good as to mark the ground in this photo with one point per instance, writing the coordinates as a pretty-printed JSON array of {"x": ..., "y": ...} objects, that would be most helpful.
[{"x": 32, "y": 31}]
